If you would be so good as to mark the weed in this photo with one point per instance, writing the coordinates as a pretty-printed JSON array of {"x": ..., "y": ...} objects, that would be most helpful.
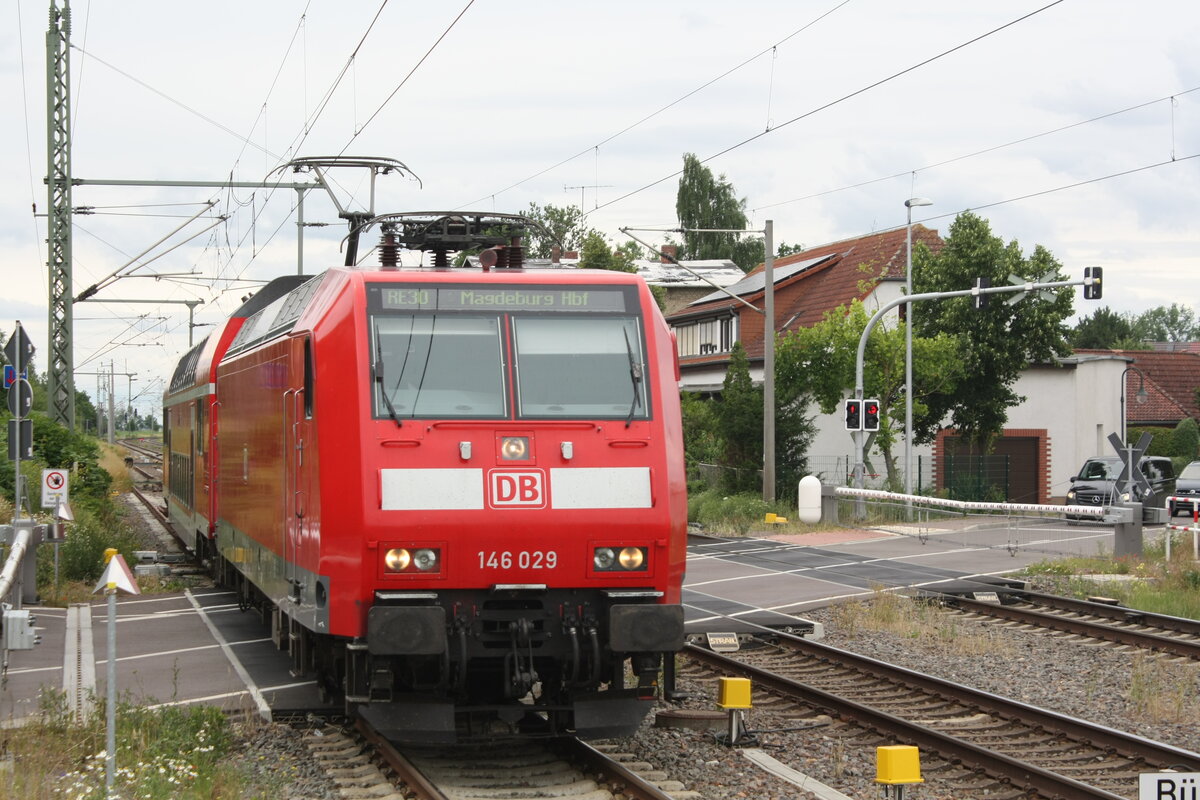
[
  {"x": 1162, "y": 692},
  {"x": 163, "y": 752}
]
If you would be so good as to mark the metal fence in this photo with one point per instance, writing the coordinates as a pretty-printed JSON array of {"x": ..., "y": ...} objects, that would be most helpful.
[
  {"x": 985, "y": 478},
  {"x": 835, "y": 471}
]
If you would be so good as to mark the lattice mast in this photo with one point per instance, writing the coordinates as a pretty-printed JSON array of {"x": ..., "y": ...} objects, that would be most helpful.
[{"x": 60, "y": 369}]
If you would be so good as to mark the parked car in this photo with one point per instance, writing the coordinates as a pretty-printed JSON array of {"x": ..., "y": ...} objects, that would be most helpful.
[
  {"x": 1096, "y": 483},
  {"x": 1187, "y": 485}
]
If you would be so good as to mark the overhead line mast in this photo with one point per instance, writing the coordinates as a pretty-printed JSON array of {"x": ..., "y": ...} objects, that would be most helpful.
[{"x": 60, "y": 382}]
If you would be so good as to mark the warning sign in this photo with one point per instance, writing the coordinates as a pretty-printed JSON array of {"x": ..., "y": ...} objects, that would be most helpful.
[{"x": 54, "y": 487}]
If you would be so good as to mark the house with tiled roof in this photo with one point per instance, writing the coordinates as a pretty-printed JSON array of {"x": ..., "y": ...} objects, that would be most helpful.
[
  {"x": 807, "y": 284},
  {"x": 1169, "y": 380},
  {"x": 1071, "y": 406}
]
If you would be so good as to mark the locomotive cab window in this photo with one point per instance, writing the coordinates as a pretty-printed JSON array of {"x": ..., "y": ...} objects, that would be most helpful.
[
  {"x": 443, "y": 352},
  {"x": 437, "y": 365},
  {"x": 574, "y": 366}
]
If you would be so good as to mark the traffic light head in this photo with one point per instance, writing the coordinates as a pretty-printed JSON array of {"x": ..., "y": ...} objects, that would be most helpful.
[
  {"x": 854, "y": 415},
  {"x": 980, "y": 301},
  {"x": 870, "y": 413},
  {"x": 1093, "y": 284}
]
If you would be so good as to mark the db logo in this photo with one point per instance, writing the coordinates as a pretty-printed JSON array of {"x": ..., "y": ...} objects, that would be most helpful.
[{"x": 525, "y": 489}]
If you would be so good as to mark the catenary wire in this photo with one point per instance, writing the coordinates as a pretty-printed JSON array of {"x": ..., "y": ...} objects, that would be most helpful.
[
  {"x": 984, "y": 151},
  {"x": 37, "y": 235},
  {"x": 416, "y": 66},
  {"x": 661, "y": 110},
  {"x": 838, "y": 100},
  {"x": 173, "y": 101}
]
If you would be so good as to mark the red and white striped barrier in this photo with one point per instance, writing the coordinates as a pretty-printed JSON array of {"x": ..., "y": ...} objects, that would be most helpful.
[
  {"x": 969, "y": 505},
  {"x": 1194, "y": 502}
]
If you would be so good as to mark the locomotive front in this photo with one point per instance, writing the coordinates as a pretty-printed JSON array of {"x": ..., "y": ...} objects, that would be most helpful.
[{"x": 519, "y": 536}]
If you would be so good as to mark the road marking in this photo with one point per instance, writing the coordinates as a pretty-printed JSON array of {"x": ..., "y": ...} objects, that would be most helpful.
[
  {"x": 79, "y": 662},
  {"x": 259, "y": 701}
]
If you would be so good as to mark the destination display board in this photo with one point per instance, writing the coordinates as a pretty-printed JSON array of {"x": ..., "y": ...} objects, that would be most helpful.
[{"x": 425, "y": 297}]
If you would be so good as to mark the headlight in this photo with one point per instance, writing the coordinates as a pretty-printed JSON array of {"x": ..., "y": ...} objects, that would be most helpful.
[
  {"x": 514, "y": 448},
  {"x": 1071, "y": 495},
  {"x": 604, "y": 558},
  {"x": 1125, "y": 497},
  {"x": 625, "y": 559},
  {"x": 397, "y": 560},
  {"x": 425, "y": 560},
  {"x": 402, "y": 560},
  {"x": 632, "y": 557}
]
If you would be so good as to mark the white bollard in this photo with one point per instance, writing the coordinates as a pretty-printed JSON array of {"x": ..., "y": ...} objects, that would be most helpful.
[{"x": 808, "y": 500}]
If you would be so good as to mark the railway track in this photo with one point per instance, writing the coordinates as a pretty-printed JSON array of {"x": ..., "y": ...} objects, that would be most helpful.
[
  {"x": 362, "y": 763},
  {"x": 1007, "y": 749},
  {"x": 148, "y": 492},
  {"x": 138, "y": 446},
  {"x": 1175, "y": 636}
]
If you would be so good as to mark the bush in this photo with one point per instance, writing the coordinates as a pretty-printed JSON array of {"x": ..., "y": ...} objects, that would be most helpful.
[
  {"x": 1186, "y": 440},
  {"x": 81, "y": 555},
  {"x": 730, "y": 513}
]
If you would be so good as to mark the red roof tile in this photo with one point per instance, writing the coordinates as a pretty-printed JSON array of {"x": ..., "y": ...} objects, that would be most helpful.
[
  {"x": 1171, "y": 380},
  {"x": 801, "y": 300}
]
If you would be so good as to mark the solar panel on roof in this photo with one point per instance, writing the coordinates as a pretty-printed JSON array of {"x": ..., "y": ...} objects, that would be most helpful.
[{"x": 752, "y": 284}]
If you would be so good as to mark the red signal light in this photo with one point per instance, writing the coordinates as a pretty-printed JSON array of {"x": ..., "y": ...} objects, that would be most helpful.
[{"x": 870, "y": 415}]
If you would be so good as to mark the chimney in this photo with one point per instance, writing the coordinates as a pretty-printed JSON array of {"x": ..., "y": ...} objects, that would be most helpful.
[
  {"x": 555, "y": 254},
  {"x": 668, "y": 250}
]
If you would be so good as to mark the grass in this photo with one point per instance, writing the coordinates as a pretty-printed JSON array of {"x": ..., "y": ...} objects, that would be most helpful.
[
  {"x": 739, "y": 514},
  {"x": 887, "y": 612},
  {"x": 1162, "y": 692},
  {"x": 112, "y": 460},
  {"x": 163, "y": 753},
  {"x": 1152, "y": 583}
]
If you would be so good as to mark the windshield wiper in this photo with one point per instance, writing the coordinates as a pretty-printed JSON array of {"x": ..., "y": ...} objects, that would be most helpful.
[
  {"x": 377, "y": 368},
  {"x": 635, "y": 375}
]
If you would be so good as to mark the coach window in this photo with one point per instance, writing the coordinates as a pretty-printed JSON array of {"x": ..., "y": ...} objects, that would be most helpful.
[
  {"x": 308, "y": 379},
  {"x": 437, "y": 365},
  {"x": 575, "y": 366}
]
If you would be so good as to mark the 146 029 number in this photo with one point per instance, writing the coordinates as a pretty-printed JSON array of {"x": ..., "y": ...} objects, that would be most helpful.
[{"x": 523, "y": 559}]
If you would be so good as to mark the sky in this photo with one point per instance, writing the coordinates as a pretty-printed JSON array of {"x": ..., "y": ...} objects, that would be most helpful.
[{"x": 1072, "y": 124}]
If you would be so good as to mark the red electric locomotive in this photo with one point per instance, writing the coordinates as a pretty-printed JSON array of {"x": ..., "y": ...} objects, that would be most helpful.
[{"x": 461, "y": 490}]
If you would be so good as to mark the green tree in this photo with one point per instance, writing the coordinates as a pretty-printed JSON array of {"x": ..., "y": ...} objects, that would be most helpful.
[
  {"x": 565, "y": 226},
  {"x": 1103, "y": 329},
  {"x": 739, "y": 417},
  {"x": 741, "y": 423},
  {"x": 786, "y": 249},
  {"x": 701, "y": 434},
  {"x": 998, "y": 341},
  {"x": 1174, "y": 323},
  {"x": 1186, "y": 439},
  {"x": 707, "y": 202},
  {"x": 821, "y": 361},
  {"x": 598, "y": 253}
]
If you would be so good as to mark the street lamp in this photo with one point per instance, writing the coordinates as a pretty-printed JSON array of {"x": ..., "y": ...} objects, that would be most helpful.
[
  {"x": 1141, "y": 397},
  {"x": 908, "y": 321}
]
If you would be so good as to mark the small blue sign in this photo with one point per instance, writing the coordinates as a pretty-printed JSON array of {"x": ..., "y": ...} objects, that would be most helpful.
[{"x": 10, "y": 375}]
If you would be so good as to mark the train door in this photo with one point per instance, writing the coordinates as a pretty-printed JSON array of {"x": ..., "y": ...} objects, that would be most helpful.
[{"x": 299, "y": 555}]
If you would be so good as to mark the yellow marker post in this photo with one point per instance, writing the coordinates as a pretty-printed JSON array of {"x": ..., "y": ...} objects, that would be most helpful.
[
  {"x": 897, "y": 766},
  {"x": 733, "y": 695}
]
